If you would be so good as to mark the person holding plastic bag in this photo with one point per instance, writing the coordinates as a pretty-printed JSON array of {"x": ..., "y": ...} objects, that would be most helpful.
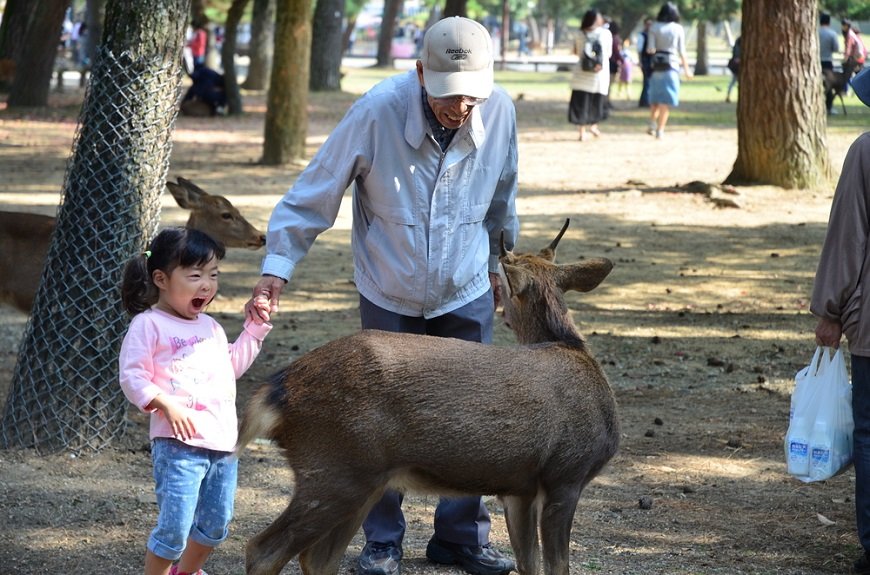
[{"x": 839, "y": 301}]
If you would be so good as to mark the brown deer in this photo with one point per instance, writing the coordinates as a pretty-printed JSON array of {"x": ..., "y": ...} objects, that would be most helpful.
[
  {"x": 532, "y": 424},
  {"x": 836, "y": 83},
  {"x": 25, "y": 237}
]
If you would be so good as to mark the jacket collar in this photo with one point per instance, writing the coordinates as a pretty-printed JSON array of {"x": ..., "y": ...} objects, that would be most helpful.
[{"x": 416, "y": 126}]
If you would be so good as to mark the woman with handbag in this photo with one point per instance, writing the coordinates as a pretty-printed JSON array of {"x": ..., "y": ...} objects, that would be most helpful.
[
  {"x": 840, "y": 301},
  {"x": 667, "y": 45},
  {"x": 591, "y": 79}
]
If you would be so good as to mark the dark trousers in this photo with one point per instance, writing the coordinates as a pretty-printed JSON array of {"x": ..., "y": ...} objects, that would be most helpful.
[
  {"x": 861, "y": 445},
  {"x": 462, "y": 520},
  {"x": 644, "y": 92}
]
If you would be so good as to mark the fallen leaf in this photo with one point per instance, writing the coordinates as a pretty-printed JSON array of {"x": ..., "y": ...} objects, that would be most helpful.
[{"x": 824, "y": 520}]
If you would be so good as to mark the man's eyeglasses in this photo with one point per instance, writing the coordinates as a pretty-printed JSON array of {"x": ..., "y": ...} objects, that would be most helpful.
[{"x": 453, "y": 100}]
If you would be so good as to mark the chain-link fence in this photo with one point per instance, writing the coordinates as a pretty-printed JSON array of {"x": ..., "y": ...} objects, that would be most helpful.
[{"x": 65, "y": 393}]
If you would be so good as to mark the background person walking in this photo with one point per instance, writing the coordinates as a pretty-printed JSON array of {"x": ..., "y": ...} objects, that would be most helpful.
[
  {"x": 590, "y": 82},
  {"x": 667, "y": 45}
]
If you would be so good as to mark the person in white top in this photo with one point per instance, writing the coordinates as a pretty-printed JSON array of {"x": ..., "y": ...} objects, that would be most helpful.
[
  {"x": 667, "y": 45},
  {"x": 590, "y": 82}
]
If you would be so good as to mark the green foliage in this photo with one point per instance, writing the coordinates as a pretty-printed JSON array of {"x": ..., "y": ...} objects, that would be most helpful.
[
  {"x": 709, "y": 10},
  {"x": 854, "y": 9}
]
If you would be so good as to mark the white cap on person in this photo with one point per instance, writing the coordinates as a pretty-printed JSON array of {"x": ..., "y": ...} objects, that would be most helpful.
[{"x": 457, "y": 59}]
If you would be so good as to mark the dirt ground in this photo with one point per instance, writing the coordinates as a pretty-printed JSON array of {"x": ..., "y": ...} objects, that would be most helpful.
[{"x": 700, "y": 328}]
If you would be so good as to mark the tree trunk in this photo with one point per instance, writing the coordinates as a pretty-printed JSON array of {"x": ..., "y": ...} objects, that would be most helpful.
[
  {"x": 385, "y": 37},
  {"x": 326, "y": 46},
  {"x": 228, "y": 57},
  {"x": 287, "y": 101},
  {"x": 701, "y": 65},
  {"x": 260, "y": 49},
  {"x": 455, "y": 8},
  {"x": 95, "y": 12},
  {"x": 781, "y": 130},
  {"x": 64, "y": 393},
  {"x": 40, "y": 50},
  {"x": 13, "y": 28}
]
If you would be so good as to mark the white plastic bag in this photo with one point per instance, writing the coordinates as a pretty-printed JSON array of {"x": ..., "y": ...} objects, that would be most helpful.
[
  {"x": 818, "y": 444},
  {"x": 805, "y": 378}
]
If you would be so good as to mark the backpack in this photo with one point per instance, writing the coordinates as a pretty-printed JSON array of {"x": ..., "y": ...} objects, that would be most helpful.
[{"x": 591, "y": 57}]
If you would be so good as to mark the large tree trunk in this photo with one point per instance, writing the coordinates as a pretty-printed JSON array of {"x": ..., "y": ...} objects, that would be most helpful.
[
  {"x": 781, "y": 130},
  {"x": 287, "y": 102},
  {"x": 37, "y": 58},
  {"x": 260, "y": 49},
  {"x": 95, "y": 12},
  {"x": 13, "y": 27},
  {"x": 326, "y": 46},
  {"x": 64, "y": 392},
  {"x": 455, "y": 8},
  {"x": 385, "y": 37},
  {"x": 701, "y": 67},
  {"x": 228, "y": 57}
]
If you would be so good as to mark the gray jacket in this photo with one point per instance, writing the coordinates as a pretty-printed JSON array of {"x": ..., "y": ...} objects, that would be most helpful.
[
  {"x": 426, "y": 224},
  {"x": 838, "y": 291}
]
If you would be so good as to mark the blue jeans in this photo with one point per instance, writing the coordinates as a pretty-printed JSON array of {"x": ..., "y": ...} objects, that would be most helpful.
[
  {"x": 861, "y": 445},
  {"x": 195, "y": 490},
  {"x": 461, "y": 520}
]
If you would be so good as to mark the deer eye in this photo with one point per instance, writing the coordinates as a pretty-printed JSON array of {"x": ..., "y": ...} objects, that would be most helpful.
[{"x": 227, "y": 216}]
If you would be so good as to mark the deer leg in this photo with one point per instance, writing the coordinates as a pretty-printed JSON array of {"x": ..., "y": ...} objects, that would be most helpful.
[
  {"x": 324, "y": 556},
  {"x": 521, "y": 516},
  {"x": 319, "y": 505},
  {"x": 557, "y": 516}
]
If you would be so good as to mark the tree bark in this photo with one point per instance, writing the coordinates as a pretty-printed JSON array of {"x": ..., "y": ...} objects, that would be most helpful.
[
  {"x": 781, "y": 122},
  {"x": 38, "y": 55},
  {"x": 64, "y": 393},
  {"x": 385, "y": 37},
  {"x": 287, "y": 101},
  {"x": 13, "y": 28},
  {"x": 228, "y": 57},
  {"x": 455, "y": 8},
  {"x": 260, "y": 50},
  {"x": 701, "y": 64},
  {"x": 326, "y": 46}
]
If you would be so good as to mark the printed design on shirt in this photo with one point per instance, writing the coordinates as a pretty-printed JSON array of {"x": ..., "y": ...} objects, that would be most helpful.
[{"x": 186, "y": 371}]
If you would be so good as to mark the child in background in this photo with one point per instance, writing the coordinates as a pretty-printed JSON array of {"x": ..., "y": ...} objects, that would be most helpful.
[
  {"x": 176, "y": 363},
  {"x": 624, "y": 86}
]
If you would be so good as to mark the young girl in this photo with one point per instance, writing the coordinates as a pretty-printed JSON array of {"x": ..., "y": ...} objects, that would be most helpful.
[{"x": 176, "y": 363}]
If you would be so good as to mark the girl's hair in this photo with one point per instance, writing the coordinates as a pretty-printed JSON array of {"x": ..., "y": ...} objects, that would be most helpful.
[
  {"x": 669, "y": 13},
  {"x": 589, "y": 19},
  {"x": 173, "y": 247}
]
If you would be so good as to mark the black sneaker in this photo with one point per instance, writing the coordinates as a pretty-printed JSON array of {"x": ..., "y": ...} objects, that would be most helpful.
[
  {"x": 861, "y": 566},
  {"x": 379, "y": 559},
  {"x": 472, "y": 559}
]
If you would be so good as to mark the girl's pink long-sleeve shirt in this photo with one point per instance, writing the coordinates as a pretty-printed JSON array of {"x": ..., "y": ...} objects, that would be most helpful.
[{"x": 192, "y": 362}]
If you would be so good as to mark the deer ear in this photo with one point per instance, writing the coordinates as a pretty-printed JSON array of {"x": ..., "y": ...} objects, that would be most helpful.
[
  {"x": 584, "y": 276},
  {"x": 186, "y": 193},
  {"x": 517, "y": 279}
]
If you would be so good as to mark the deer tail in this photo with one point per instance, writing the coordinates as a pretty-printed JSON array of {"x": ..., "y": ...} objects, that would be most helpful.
[{"x": 260, "y": 419}]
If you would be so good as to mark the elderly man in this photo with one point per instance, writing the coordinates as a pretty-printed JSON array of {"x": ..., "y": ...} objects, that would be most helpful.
[
  {"x": 432, "y": 156},
  {"x": 841, "y": 305}
]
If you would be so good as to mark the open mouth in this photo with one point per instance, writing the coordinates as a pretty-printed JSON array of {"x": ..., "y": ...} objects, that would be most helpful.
[{"x": 198, "y": 302}]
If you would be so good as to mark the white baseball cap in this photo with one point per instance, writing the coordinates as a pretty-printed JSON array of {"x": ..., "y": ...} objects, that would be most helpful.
[{"x": 457, "y": 59}]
